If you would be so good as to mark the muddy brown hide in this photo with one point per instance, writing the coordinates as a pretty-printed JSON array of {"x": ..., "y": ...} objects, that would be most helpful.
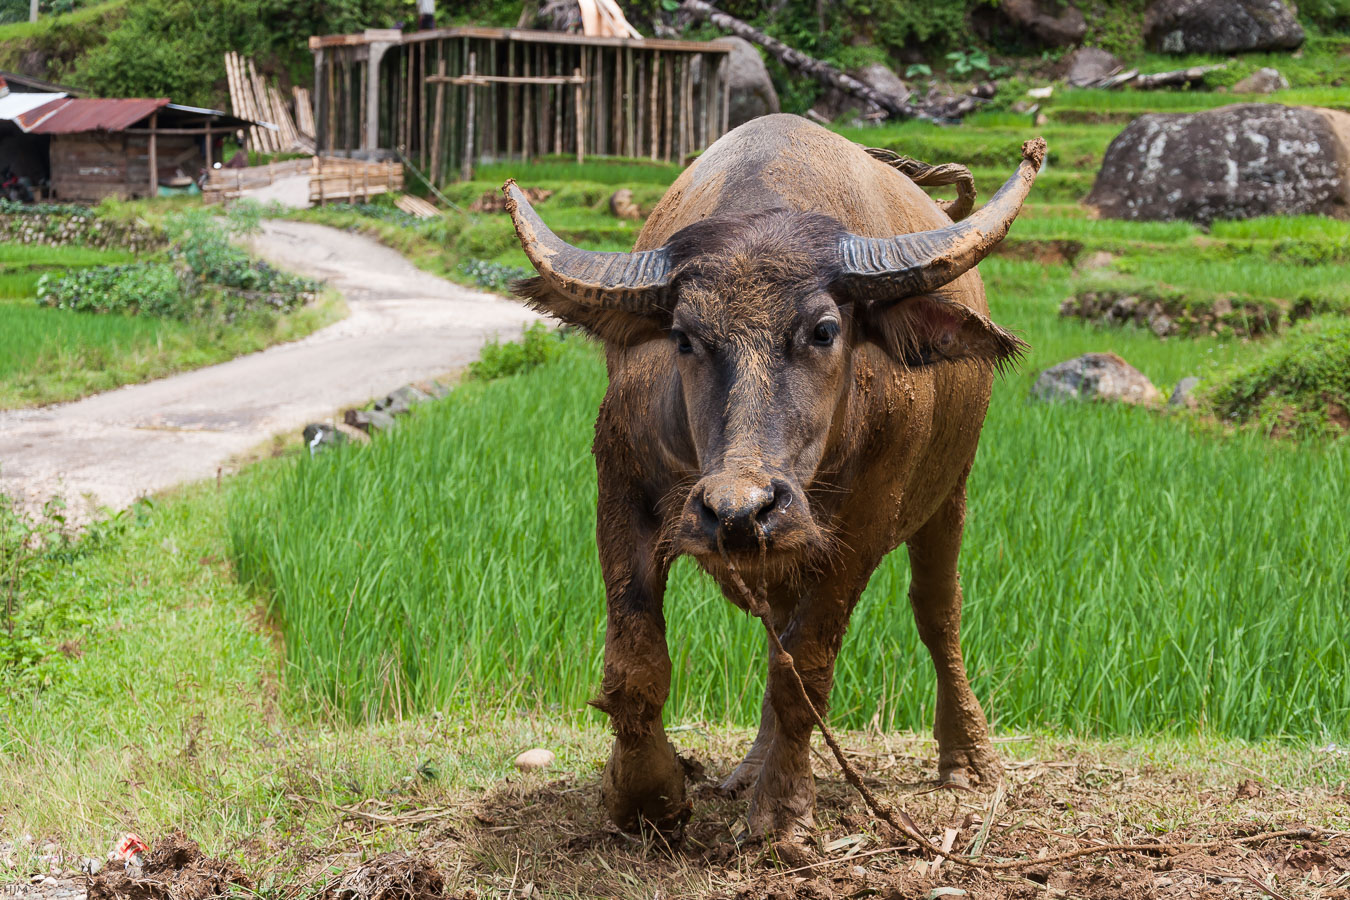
[{"x": 894, "y": 454}]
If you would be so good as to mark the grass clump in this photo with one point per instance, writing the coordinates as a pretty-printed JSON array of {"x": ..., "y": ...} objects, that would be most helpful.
[
  {"x": 1299, "y": 387},
  {"x": 36, "y": 639},
  {"x": 537, "y": 346}
]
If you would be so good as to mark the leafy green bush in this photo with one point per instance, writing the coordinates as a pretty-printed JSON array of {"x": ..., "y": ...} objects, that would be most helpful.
[
  {"x": 151, "y": 289},
  {"x": 175, "y": 48},
  {"x": 496, "y": 276},
  {"x": 1299, "y": 388},
  {"x": 538, "y": 345},
  {"x": 207, "y": 276}
]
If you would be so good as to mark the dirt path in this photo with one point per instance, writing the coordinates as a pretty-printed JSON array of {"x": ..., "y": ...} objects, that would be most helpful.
[{"x": 405, "y": 325}]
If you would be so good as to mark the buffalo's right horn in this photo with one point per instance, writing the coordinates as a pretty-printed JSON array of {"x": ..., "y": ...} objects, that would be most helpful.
[
  {"x": 635, "y": 282},
  {"x": 885, "y": 270}
]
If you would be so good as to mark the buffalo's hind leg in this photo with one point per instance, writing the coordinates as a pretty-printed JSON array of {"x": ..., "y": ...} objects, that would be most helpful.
[
  {"x": 965, "y": 754},
  {"x": 644, "y": 779}
]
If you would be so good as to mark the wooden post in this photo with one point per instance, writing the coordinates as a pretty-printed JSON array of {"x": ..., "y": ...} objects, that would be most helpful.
[
  {"x": 559, "y": 103},
  {"x": 630, "y": 106},
  {"x": 512, "y": 101},
  {"x": 724, "y": 70},
  {"x": 154, "y": 156},
  {"x": 438, "y": 120},
  {"x": 580, "y": 117},
  {"x": 209, "y": 148},
  {"x": 669, "y": 138},
  {"x": 466, "y": 164},
  {"x": 423, "y": 147},
  {"x": 655, "y": 125},
  {"x": 527, "y": 109},
  {"x": 318, "y": 163}
]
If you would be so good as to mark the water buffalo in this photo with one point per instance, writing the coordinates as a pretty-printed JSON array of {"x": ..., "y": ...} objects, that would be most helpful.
[{"x": 800, "y": 360}]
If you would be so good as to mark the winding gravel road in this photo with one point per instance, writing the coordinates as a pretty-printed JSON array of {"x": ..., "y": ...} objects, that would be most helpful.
[{"x": 404, "y": 325}]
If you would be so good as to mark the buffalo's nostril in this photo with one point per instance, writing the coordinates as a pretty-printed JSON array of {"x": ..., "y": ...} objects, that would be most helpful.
[
  {"x": 779, "y": 498},
  {"x": 708, "y": 517}
]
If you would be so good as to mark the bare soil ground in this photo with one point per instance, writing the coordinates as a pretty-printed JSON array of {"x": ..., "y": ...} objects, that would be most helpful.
[{"x": 534, "y": 836}]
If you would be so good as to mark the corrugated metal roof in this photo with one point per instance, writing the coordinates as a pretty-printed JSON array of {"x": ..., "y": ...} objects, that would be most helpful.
[
  {"x": 14, "y": 105},
  {"x": 74, "y": 116}
]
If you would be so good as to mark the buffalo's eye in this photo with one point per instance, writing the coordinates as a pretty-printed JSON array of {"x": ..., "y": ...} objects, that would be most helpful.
[
  {"x": 826, "y": 331},
  {"x": 682, "y": 342}
]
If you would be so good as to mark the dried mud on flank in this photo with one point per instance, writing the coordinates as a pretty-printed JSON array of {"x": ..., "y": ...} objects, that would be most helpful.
[{"x": 174, "y": 869}]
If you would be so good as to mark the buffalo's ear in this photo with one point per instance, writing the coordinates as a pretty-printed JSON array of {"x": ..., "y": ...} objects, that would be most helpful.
[
  {"x": 606, "y": 323},
  {"x": 929, "y": 328}
]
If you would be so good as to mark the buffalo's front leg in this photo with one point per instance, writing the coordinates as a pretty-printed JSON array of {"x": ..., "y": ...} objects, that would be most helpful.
[
  {"x": 747, "y": 772},
  {"x": 965, "y": 754},
  {"x": 784, "y": 798},
  {"x": 644, "y": 780}
]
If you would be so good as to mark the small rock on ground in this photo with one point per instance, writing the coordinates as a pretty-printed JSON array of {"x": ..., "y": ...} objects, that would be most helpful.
[
  {"x": 1183, "y": 395},
  {"x": 1096, "y": 376},
  {"x": 538, "y": 758},
  {"x": 1262, "y": 81}
]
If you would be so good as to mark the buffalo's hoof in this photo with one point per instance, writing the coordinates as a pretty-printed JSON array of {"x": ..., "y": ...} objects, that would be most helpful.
[
  {"x": 970, "y": 767},
  {"x": 795, "y": 853},
  {"x": 786, "y": 816},
  {"x": 643, "y": 786},
  {"x": 741, "y": 778}
]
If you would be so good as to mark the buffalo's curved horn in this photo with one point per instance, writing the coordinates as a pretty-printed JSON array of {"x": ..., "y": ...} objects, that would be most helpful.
[
  {"x": 890, "y": 269},
  {"x": 634, "y": 282}
]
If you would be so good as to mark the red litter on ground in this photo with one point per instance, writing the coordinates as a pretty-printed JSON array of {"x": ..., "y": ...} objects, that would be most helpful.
[{"x": 129, "y": 848}]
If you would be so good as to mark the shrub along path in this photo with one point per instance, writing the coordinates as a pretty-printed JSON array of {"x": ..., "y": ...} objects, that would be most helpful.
[{"x": 405, "y": 325}]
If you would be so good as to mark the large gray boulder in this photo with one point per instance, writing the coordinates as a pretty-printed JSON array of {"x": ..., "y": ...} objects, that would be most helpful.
[
  {"x": 1096, "y": 376},
  {"x": 1220, "y": 26},
  {"x": 1262, "y": 81},
  {"x": 1088, "y": 65},
  {"x": 1236, "y": 162},
  {"x": 835, "y": 103},
  {"x": 752, "y": 93},
  {"x": 1038, "y": 23}
]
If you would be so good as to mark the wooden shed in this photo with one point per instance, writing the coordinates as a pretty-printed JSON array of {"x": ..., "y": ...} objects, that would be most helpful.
[
  {"x": 450, "y": 97},
  {"x": 100, "y": 148}
]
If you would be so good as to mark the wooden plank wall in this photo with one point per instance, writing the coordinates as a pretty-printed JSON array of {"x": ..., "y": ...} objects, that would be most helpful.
[
  {"x": 89, "y": 166},
  {"x": 660, "y": 104}
]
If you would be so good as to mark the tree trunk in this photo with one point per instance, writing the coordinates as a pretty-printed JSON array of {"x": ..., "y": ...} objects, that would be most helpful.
[{"x": 795, "y": 59}]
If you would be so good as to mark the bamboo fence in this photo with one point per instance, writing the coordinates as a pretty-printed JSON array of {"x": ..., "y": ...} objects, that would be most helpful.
[{"x": 450, "y": 98}]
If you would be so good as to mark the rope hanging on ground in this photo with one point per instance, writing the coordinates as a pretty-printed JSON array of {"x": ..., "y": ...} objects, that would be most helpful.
[
  {"x": 759, "y": 607},
  {"x": 924, "y": 175}
]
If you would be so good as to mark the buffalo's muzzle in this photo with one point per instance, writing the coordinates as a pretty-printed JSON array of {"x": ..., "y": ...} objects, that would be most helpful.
[{"x": 737, "y": 513}]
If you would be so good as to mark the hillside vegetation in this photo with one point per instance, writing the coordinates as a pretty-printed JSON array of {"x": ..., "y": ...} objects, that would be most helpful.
[{"x": 174, "y": 47}]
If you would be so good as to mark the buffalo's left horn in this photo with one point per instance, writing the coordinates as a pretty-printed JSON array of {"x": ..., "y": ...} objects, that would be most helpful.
[
  {"x": 635, "y": 282},
  {"x": 890, "y": 269}
]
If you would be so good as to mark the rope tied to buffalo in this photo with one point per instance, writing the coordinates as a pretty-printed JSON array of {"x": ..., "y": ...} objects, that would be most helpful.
[{"x": 902, "y": 822}]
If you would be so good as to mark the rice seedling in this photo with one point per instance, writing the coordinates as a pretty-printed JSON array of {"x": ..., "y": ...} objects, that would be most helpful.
[{"x": 452, "y": 563}]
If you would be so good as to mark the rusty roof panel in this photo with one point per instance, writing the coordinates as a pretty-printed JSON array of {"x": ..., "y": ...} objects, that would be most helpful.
[{"x": 77, "y": 115}]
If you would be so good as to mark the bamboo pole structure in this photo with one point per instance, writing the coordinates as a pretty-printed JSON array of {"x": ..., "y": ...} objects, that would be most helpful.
[
  {"x": 528, "y": 94},
  {"x": 466, "y": 165},
  {"x": 436, "y": 128},
  {"x": 581, "y": 117},
  {"x": 154, "y": 156}
]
